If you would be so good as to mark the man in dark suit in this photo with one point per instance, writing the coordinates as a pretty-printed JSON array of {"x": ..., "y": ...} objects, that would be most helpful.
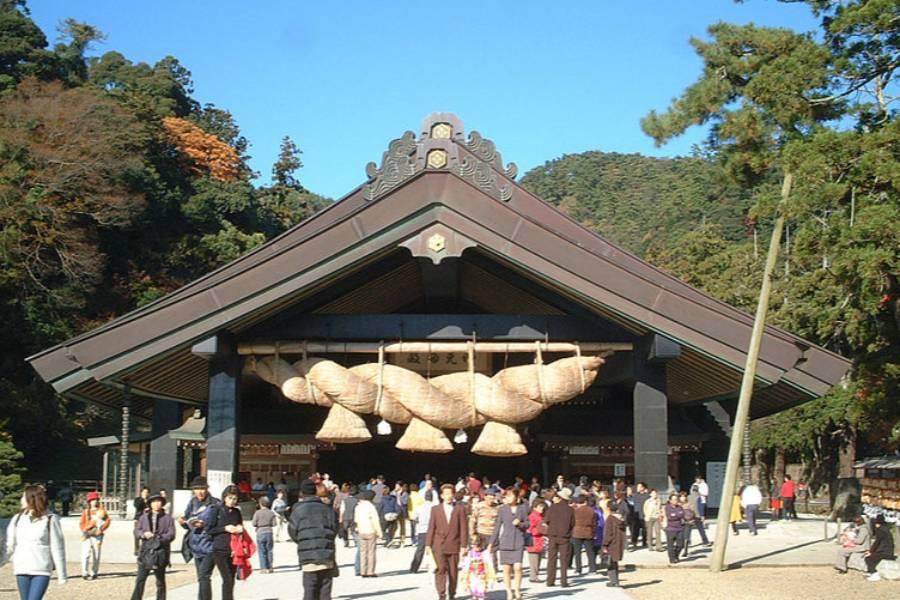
[
  {"x": 448, "y": 538},
  {"x": 560, "y": 520}
]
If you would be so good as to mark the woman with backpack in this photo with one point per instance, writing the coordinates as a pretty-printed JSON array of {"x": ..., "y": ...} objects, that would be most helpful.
[
  {"x": 94, "y": 523},
  {"x": 34, "y": 543},
  {"x": 155, "y": 530}
]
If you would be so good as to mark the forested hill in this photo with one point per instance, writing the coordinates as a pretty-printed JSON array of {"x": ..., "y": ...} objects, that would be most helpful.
[
  {"x": 117, "y": 186},
  {"x": 641, "y": 202}
]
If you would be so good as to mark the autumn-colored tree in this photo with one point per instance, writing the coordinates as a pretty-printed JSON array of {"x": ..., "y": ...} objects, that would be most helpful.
[
  {"x": 66, "y": 167},
  {"x": 206, "y": 152}
]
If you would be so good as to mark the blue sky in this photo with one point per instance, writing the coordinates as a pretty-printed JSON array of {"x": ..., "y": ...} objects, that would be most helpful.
[{"x": 541, "y": 79}]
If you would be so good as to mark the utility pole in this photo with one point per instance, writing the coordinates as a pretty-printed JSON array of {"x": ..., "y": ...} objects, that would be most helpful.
[{"x": 741, "y": 418}]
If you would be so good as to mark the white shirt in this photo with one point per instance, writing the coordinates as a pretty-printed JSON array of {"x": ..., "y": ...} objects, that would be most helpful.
[
  {"x": 423, "y": 516},
  {"x": 448, "y": 510},
  {"x": 36, "y": 547},
  {"x": 365, "y": 515},
  {"x": 703, "y": 489},
  {"x": 751, "y": 495}
]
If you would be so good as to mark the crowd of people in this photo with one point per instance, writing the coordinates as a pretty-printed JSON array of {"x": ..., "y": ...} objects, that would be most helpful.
[{"x": 468, "y": 532}]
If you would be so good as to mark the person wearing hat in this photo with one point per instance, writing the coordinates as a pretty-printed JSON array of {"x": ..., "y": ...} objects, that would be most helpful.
[
  {"x": 313, "y": 527},
  {"x": 559, "y": 520},
  {"x": 882, "y": 547},
  {"x": 368, "y": 528},
  {"x": 155, "y": 530},
  {"x": 194, "y": 520},
  {"x": 94, "y": 523}
]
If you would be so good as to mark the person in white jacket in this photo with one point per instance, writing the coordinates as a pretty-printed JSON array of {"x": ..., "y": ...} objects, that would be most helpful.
[
  {"x": 751, "y": 498},
  {"x": 35, "y": 544},
  {"x": 368, "y": 526}
]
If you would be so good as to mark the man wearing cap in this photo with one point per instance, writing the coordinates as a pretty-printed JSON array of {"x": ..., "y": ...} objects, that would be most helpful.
[
  {"x": 448, "y": 538},
  {"x": 313, "y": 527},
  {"x": 368, "y": 530},
  {"x": 155, "y": 530},
  {"x": 94, "y": 523},
  {"x": 193, "y": 518},
  {"x": 560, "y": 520}
]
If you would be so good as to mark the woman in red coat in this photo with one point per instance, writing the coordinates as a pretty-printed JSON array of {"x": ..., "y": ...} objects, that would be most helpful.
[{"x": 535, "y": 518}]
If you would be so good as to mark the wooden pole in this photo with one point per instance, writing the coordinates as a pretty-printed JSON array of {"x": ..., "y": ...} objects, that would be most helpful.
[
  {"x": 295, "y": 347},
  {"x": 743, "y": 408}
]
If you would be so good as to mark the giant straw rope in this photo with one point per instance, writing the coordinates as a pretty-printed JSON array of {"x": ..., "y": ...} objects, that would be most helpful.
[{"x": 428, "y": 406}]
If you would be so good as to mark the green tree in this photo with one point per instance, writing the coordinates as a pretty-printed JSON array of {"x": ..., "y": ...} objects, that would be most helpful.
[
  {"x": 23, "y": 46},
  {"x": 10, "y": 475},
  {"x": 780, "y": 101}
]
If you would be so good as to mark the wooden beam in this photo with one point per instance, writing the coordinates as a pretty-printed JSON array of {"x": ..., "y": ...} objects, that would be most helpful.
[{"x": 298, "y": 347}]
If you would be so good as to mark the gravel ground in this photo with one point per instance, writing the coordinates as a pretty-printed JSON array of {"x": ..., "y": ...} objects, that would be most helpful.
[
  {"x": 756, "y": 583},
  {"x": 752, "y": 583},
  {"x": 116, "y": 583}
]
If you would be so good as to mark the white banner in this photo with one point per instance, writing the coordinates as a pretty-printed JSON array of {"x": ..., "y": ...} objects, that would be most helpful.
[{"x": 218, "y": 481}]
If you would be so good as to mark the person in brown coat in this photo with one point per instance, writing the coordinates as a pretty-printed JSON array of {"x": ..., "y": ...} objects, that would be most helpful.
[
  {"x": 447, "y": 538},
  {"x": 583, "y": 534},
  {"x": 614, "y": 537},
  {"x": 559, "y": 520}
]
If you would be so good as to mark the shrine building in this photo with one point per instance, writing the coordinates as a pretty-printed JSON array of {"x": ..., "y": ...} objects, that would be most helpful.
[{"x": 441, "y": 319}]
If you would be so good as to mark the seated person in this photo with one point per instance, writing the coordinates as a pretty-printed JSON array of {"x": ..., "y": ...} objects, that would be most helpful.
[
  {"x": 882, "y": 547},
  {"x": 853, "y": 540}
]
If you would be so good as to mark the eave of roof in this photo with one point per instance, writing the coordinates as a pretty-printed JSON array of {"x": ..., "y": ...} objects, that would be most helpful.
[{"x": 522, "y": 231}]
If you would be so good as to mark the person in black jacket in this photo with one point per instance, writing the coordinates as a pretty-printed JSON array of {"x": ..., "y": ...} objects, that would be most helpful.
[
  {"x": 882, "y": 547},
  {"x": 313, "y": 527},
  {"x": 155, "y": 530},
  {"x": 225, "y": 519}
]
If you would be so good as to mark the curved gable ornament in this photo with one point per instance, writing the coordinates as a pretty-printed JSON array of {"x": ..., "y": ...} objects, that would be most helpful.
[
  {"x": 486, "y": 150},
  {"x": 398, "y": 164}
]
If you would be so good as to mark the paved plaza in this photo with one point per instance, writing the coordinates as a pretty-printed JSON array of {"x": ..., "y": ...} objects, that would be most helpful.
[{"x": 781, "y": 544}]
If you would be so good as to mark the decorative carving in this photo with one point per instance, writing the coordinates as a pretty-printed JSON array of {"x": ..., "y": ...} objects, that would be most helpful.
[
  {"x": 437, "y": 243},
  {"x": 441, "y": 131},
  {"x": 397, "y": 165},
  {"x": 486, "y": 150},
  {"x": 437, "y": 159},
  {"x": 483, "y": 176}
]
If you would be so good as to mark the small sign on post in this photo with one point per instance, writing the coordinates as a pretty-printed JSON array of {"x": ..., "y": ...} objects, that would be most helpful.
[{"x": 619, "y": 470}]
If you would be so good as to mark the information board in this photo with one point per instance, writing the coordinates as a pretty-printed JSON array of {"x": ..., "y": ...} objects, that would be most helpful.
[{"x": 715, "y": 478}]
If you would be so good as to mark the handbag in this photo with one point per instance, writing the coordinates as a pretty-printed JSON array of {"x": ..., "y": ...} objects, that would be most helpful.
[
  {"x": 152, "y": 554},
  {"x": 390, "y": 517},
  {"x": 529, "y": 539}
]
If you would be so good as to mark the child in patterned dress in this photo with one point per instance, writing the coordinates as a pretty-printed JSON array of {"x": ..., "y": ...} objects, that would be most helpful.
[{"x": 478, "y": 573}]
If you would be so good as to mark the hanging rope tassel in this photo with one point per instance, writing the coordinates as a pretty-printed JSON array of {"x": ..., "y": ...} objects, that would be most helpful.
[
  {"x": 580, "y": 369},
  {"x": 539, "y": 361},
  {"x": 383, "y": 427}
]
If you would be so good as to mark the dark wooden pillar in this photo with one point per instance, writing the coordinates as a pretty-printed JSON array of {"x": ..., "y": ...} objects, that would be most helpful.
[
  {"x": 124, "y": 494},
  {"x": 651, "y": 410},
  {"x": 163, "y": 468},
  {"x": 223, "y": 434}
]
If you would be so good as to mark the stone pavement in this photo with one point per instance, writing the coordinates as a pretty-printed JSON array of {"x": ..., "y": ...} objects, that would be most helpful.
[
  {"x": 778, "y": 544},
  {"x": 394, "y": 582}
]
